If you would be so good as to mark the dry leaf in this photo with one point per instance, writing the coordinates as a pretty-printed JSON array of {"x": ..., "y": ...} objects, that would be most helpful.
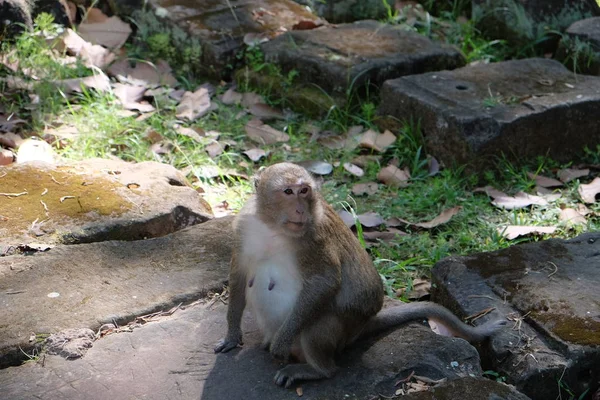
[
  {"x": 254, "y": 39},
  {"x": 255, "y": 154},
  {"x": 514, "y": 231},
  {"x": 231, "y": 97},
  {"x": 568, "y": 174},
  {"x": 589, "y": 191},
  {"x": 420, "y": 289},
  {"x": 316, "y": 167},
  {"x": 9, "y": 139},
  {"x": 544, "y": 181},
  {"x": 264, "y": 134},
  {"x": 440, "y": 219},
  {"x": 129, "y": 96},
  {"x": 144, "y": 73},
  {"x": 153, "y": 136},
  {"x": 375, "y": 141},
  {"x": 332, "y": 142},
  {"x": 91, "y": 54},
  {"x": 548, "y": 194},
  {"x": 385, "y": 236},
  {"x": 194, "y": 105},
  {"x": 394, "y": 176},
  {"x": 6, "y": 157},
  {"x": 250, "y": 98},
  {"x": 195, "y": 134},
  {"x": 95, "y": 15},
  {"x": 214, "y": 149},
  {"x": 161, "y": 148},
  {"x": 519, "y": 200},
  {"x": 347, "y": 217},
  {"x": 433, "y": 165},
  {"x": 583, "y": 210},
  {"x": 571, "y": 217},
  {"x": 363, "y": 160},
  {"x": 111, "y": 33},
  {"x": 354, "y": 170},
  {"x": 99, "y": 82},
  {"x": 299, "y": 391},
  {"x": 265, "y": 111},
  {"x": 368, "y": 188},
  {"x": 370, "y": 220}
]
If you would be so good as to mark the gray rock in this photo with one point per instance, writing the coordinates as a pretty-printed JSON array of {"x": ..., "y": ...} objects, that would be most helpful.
[
  {"x": 70, "y": 343},
  {"x": 337, "y": 11},
  {"x": 95, "y": 200},
  {"x": 549, "y": 290},
  {"x": 174, "y": 357},
  {"x": 586, "y": 31},
  {"x": 16, "y": 16},
  {"x": 352, "y": 55},
  {"x": 470, "y": 388},
  {"x": 92, "y": 284},
  {"x": 521, "y": 109}
]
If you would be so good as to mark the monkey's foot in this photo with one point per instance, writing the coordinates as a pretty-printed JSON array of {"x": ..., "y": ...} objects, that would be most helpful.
[
  {"x": 225, "y": 345},
  {"x": 289, "y": 374}
]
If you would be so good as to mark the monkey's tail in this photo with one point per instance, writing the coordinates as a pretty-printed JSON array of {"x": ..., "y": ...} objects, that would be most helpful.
[{"x": 394, "y": 316}]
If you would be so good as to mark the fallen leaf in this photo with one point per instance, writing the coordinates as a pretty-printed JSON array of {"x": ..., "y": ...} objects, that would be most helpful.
[
  {"x": 368, "y": 188},
  {"x": 255, "y": 154},
  {"x": 6, "y": 157},
  {"x": 393, "y": 176},
  {"x": 420, "y": 288},
  {"x": 544, "y": 181},
  {"x": 195, "y": 134},
  {"x": 264, "y": 134},
  {"x": 589, "y": 191},
  {"x": 572, "y": 217},
  {"x": 231, "y": 97},
  {"x": 347, "y": 217},
  {"x": 98, "y": 81},
  {"x": 153, "y": 136},
  {"x": 568, "y": 174},
  {"x": 254, "y": 39},
  {"x": 194, "y": 105},
  {"x": 111, "y": 33},
  {"x": 583, "y": 210},
  {"x": 385, "y": 236},
  {"x": 91, "y": 54},
  {"x": 299, "y": 391},
  {"x": 143, "y": 73},
  {"x": 316, "y": 167},
  {"x": 519, "y": 200},
  {"x": 332, "y": 142},
  {"x": 364, "y": 160},
  {"x": 9, "y": 139},
  {"x": 95, "y": 15},
  {"x": 433, "y": 166},
  {"x": 375, "y": 141},
  {"x": 370, "y": 219},
  {"x": 444, "y": 217},
  {"x": 265, "y": 111},
  {"x": 353, "y": 169},
  {"x": 130, "y": 96},
  {"x": 250, "y": 98},
  {"x": 514, "y": 231},
  {"x": 161, "y": 148},
  {"x": 214, "y": 149}
]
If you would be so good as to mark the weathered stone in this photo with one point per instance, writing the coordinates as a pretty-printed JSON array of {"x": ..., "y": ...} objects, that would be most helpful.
[
  {"x": 585, "y": 31},
  {"x": 521, "y": 109},
  {"x": 550, "y": 290},
  {"x": 175, "y": 356},
  {"x": 16, "y": 16},
  {"x": 70, "y": 343},
  {"x": 337, "y": 11},
  {"x": 86, "y": 285},
  {"x": 524, "y": 21},
  {"x": 470, "y": 388},
  {"x": 95, "y": 200},
  {"x": 220, "y": 26},
  {"x": 337, "y": 58}
]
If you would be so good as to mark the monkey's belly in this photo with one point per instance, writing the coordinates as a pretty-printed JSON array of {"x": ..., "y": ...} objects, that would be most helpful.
[{"x": 271, "y": 291}]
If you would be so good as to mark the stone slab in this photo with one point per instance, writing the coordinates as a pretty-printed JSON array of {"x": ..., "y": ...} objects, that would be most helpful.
[
  {"x": 522, "y": 109},
  {"x": 173, "y": 358},
  {"x": 94, "y": 200},
  {"x": 549, "y": 290},
  {"x": 109, "y": 281},
  {"x": 221, "y": 34},
  {"x": 586, "y": 31},
  {"x": 345, "y": 56}
]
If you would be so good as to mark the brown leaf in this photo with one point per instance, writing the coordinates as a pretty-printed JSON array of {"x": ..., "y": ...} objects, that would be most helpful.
[
  {"x": 214, "y": 149},
  {"x": 316, "y": 167},
  {"x": 250, "y": 98},
  {"x": 264, "y": 134},
  {"x": 353, "y": 169},
  {"x": 231, "y": 97},
  {"x": 195, "y": 134},
  {"x": 519, "y": 200},
  {"x": 144, "y": 73},
  {"x": 265, "y": 111},
  {"x": 568, "y": 174},
  {"x": 161, "y": 148},
  {"x": 363, "y": 160},
  {"x": 347, "y": 217},
  {"x": 130, "y": 96},
  {"x": 194, "y": 105},
  {"x": 544, "y": 181},
  {"x": 368, "y": 188},
  {"x": 332, "y": 142},
  {"x": 572, "y": 217},
  {"x": 9, "y": 139},
  {"x": 98, "y": 81},
  {"x": 95, "y": 15},
  {"x": 153, "y": 136},
  {"x": 385, "y": 236},
  {"x": 111, "y": 33},
  {"x": 370, "y": 219},
  {"x": 514, "y": 231},
  {"x": 420, "y": 288},
  {"x": 444, "y": 217},
  {"x": 6, "y": 157},
  {"x": 255, "y": 154},
  {"x": 91, "y": 54},
  {"x": 433, "y": 165},
  {"x": 394, "y": 176},
  {"x": 589, "y": 191},
  {"x": 375, "y": 141}
]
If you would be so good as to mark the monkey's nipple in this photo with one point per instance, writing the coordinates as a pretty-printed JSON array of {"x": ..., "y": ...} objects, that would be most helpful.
[
  {"x": 271, "y": 284},
  {"x": 251, "y": 282}
]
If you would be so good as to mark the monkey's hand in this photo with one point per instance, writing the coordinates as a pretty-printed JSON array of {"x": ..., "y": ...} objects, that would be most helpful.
[
  {"x": 281, "y": 347},
  {"x": 230, "y": 342}
]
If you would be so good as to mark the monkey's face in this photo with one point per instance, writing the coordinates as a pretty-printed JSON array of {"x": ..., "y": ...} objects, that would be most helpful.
[{"x": 295, "y": 212}]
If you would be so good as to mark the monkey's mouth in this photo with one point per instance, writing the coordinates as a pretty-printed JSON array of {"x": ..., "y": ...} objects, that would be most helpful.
[{"x": 295, "y": 226}]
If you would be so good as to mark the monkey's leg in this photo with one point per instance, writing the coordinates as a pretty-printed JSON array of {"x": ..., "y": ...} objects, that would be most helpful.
[{"x": 319, "y": 343}]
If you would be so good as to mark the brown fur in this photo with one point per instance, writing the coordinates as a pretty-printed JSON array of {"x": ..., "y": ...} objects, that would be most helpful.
[{"x": 340, "y": 294}]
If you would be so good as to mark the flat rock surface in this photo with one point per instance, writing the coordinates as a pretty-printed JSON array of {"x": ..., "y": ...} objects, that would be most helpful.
[
  {"x": 349, "y": 55},
  {"x": 86, "y": 285},
  {"x": 522, "y": 109},
  {"x": 221, "y": 25},
  {"x": 549, "y": 290},
  {"x": 93, "y": 200},
  {"x": 173, "y": 358},
  {"x": 587, "y": 29}
]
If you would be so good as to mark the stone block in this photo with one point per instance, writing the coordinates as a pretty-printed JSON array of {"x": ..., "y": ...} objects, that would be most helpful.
[{"x": 521, "y": 109}]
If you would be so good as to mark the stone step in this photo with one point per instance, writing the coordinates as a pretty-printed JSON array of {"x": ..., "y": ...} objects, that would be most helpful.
[{"x": 519, "y": 109}]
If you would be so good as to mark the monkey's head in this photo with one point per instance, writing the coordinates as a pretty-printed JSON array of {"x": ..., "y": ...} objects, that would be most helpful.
[{"x": 287, "y": 198}]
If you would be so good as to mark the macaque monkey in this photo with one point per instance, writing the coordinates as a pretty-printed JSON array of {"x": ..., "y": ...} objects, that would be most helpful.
[{"x": 312, "y": 288}]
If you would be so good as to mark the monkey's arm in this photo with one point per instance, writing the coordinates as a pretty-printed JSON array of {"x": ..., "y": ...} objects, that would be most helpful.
[
  {"x": 317, "y": 291},
  {"x": 395, "y": 316},
  {"x": 237, "y": 303}
]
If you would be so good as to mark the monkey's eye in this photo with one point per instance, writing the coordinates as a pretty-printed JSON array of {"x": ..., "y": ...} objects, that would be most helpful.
[
  {"x": 304, "y": 190},
  {"x": 288, "y": 191}
]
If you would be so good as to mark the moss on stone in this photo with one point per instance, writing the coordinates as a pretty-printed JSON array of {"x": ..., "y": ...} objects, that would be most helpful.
[{"x": 572, "y": 329}]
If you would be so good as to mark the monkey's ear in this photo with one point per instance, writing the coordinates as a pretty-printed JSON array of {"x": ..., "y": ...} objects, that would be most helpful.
[{"x": 256, "y": 177}]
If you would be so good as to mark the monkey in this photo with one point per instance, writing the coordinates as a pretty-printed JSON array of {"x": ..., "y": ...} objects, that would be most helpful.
[{"x": 312, "y": 288}]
